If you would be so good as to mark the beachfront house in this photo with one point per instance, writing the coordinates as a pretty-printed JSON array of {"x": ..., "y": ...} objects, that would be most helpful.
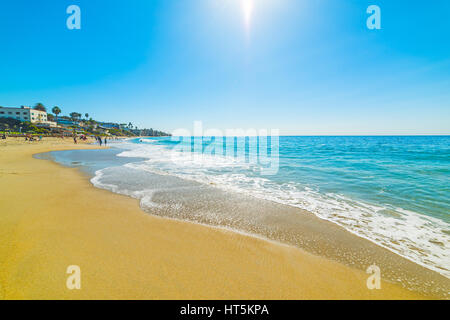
[{"x": 26, "y": 114}]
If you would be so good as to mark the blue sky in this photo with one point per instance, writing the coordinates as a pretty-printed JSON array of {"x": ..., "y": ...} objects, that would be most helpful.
[{"x": 304, "y": 67}]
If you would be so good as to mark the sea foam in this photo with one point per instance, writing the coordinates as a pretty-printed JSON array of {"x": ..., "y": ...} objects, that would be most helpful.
[{"x": 420, "y": 238}]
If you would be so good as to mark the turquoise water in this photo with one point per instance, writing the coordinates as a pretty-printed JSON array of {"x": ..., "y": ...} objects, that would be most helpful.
[
  {"x": 412, "y": 173},
  {"x": 393, "y": 191}
]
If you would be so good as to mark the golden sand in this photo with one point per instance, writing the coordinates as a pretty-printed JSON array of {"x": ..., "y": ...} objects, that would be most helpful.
[{"x": 52, "y": 217}]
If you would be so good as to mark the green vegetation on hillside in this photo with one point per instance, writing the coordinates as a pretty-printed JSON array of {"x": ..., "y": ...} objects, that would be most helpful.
[{"x": 75, "y": 123}]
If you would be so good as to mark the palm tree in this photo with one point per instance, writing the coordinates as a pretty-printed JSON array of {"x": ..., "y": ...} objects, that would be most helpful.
[
  {"x": 75, "y": 115},
  {"x": 86, "y": 115},
  {"x": 39, "y": 106},
  {"x": 56, "y": 110}
]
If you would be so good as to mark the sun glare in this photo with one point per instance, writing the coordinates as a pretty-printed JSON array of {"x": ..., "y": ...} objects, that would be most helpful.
[{"x": 247, "y": 7}]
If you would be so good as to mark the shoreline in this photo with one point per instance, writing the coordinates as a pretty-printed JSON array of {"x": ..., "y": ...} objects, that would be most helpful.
[{"x": 125, "y": 253}]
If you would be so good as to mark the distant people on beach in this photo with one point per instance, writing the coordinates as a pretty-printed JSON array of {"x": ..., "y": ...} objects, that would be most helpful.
[
  {"x": 99, "y": 141},
  {"x": 3, "y": 136},
  {"x": 75, "y": 139},
  {"x": 105, "y": 142}
]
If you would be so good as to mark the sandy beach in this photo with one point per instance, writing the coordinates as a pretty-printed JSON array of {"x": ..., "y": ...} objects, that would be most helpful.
[{"x": 52, "y": 217}]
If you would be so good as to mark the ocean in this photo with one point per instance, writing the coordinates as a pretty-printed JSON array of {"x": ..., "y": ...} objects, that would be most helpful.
[{"x": 391, "y": 190}]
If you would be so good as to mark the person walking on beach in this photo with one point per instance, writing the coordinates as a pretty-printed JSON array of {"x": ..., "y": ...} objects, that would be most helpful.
[
  {"x": 105, "y": 141},
  {"x": 100, "y": 141},
  {"x": 75, "y": 139}
]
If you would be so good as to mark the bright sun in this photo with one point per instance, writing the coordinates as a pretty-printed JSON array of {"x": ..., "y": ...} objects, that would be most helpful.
[{"x": 247, "y": 7}]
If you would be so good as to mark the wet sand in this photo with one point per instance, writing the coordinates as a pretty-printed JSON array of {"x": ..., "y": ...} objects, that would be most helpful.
[
  {"x": 52, "y": 217},
  {"x": 296, "y": 227}
]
